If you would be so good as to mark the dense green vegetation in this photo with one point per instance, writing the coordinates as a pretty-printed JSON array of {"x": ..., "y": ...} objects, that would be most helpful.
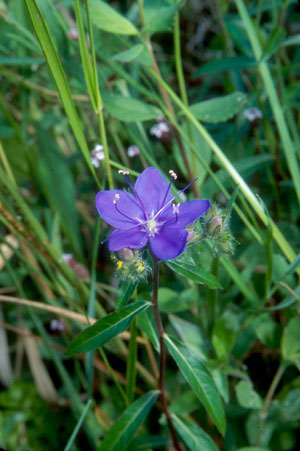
[{"x": 208, "y": 89}]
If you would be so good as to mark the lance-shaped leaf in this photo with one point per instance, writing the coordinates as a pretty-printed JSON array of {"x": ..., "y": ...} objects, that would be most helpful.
[
  {"x": 120, "y": 434},
  {"x": 105, "y": 329},
  {"x": 108, "y": 19},
  {"x": 219, "y": 109},
  {"x": 195, "y": 438},
  {"x": 195, "y": 273},
  {"x": 199, "y": 379}
]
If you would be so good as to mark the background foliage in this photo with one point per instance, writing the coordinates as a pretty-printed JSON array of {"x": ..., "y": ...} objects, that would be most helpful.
[{"x": 75, "y": 74}]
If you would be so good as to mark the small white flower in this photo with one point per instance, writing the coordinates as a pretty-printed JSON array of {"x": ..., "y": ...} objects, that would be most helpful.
[
  {"x": 97, "y": 154},
  {"x": 133, "y": 151},
  {"x": 67, "y": 257},
  {"x": 159, "y": 129},
  {"x": 253, "y": 114},
  {"x": 73, "y": 34}
]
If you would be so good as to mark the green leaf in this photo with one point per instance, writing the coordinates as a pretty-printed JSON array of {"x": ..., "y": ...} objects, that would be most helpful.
[
  {"x": 147, "y": 324},
  {"x": 59, "y": 77},
  {"x": 129, "y": 109},
  {"x": 20, "y": 61},
  {"x": 125, "y": 291},
  {"x": 224, "y": 334},
  {"x": 105, "y": 329},
  {"x": 230, "y": 63},
  {"x": 219, "y": 109},
  {"x": 120, "y": 434},
  {"x": 57, "y": 182},
  {"x": 169, "y": 301},
  {"x": 290, "y": 344},
  {"x": 199, "y": 379},
  {"x": 159, "y": 15},
  {"x": 253, "y": 448},
  {"x": 194, "y": 437},
  {"x": 108, "y": 19},
  {"x": 195, "y": 273},
  {"x": 137, "y": 53},
  {"x": 145, "y": 442},
  {"x": 247, "y": 396}
]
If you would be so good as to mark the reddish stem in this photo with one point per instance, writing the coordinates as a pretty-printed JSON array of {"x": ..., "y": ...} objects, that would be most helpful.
[{"x": 162, "y": 353}]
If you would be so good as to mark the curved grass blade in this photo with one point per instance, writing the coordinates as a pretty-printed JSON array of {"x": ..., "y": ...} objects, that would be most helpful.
[
  {"x": 105, "y": 329},
  {"x": 120, "y": 434},
  {"x": 59, "y": 77},
  {"x": 199, "y": 379}
]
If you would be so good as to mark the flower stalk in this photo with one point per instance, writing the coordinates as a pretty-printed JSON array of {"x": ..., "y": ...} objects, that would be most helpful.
[{"x": 162, "y": 352}]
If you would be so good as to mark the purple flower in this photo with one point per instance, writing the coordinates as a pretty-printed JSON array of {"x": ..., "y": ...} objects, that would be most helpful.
[{"x": 150, "y": 214}]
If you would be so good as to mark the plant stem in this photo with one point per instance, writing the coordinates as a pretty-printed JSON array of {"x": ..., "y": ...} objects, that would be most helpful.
[{"x": 162, "y": 352}]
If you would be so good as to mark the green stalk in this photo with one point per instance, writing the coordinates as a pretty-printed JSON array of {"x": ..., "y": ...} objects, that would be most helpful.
[
  {"x": 263, "y": 68},
  {"x": 244, "y": 188}
]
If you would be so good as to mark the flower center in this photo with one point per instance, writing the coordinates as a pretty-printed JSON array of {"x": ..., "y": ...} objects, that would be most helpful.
[
  {"x": 151, "y": 224},
  {"x": 152, "y": 227}
]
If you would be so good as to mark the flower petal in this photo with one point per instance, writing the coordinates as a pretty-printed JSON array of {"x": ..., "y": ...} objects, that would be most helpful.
[
  {"x": 168, "y": 243},
  {"x": 151, "y": 187},
  {"x": 112, "y": 213},
  {"x": 189, "y": 212},
  {"x": 133, "y": 238}
]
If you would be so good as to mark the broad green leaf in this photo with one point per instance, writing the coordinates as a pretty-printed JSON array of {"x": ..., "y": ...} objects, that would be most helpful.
[
  {"x": 224, "y": 334},
  {"x": 125, "y": 291},
  {"x": 199, "y": 379},
  {"x": 247, "y": 396},
  {"x": 194, "y": 437},
  {"x": 219, "y": 109},
  {"x": 185, "y": 404},
  {"x": 59, "y": 77},
  {"x": 137, "y": 53},
  {"x": 58, "y": 185},
  {"x": 230, "y": 63},
  {"x": 169, "y": 301},
  {"x": 105, "y": 329},
  {"x": 108, "y": 19},
  {"x": 269, "y": 332},
  {"x": 195, "y": 273},
  {"x": 159, "y": 15},
  {"x": 129, "y": 109},
  {"x": 190, "y": 334},
  {"x": 120, "y": 434},
  {"x": 290, "y": 344}
]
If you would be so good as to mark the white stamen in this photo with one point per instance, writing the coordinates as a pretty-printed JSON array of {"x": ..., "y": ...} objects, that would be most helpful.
[
  {"x": 123, "y": 172},
  {"x": 173, "y": 174},
  {"x": 117, "y": 197},
  {"x": 176, "y": 208}
]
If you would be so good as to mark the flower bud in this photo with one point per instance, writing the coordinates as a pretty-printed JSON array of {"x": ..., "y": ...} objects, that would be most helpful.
[
  {"x": 226, "y": 247},
  {"x": 190, "y": 236},
  {"x": 126, "y": 254},
  {"x": 215, "y": 226}
]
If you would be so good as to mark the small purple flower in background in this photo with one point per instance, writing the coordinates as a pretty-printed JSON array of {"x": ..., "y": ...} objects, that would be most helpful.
[
  {"x": 149, "y": 215},
  {"x": 97, "y": 155},
  {"x": 133, "y": 151}
]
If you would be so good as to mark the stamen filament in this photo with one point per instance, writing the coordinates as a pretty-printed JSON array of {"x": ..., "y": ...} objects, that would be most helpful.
[
  {"x": 173, "y": 198},
  {"x": 124, "y": 173},
  {"x": 123, "y": 214}
]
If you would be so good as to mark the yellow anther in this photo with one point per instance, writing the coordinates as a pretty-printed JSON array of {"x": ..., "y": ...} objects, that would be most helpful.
[
  {"x": 119, "y": 264},
  {"x": 173, "y": 174},
  {"x": 122, "y": 171}
]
